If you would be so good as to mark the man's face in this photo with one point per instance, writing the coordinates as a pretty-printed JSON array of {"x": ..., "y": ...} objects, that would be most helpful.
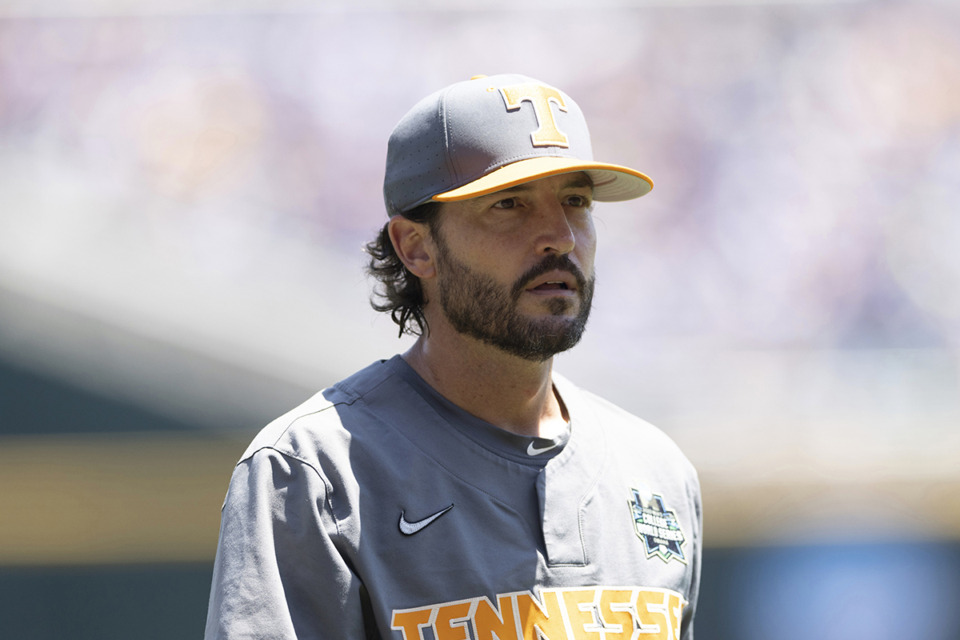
[{"x": 525, "y": 281}]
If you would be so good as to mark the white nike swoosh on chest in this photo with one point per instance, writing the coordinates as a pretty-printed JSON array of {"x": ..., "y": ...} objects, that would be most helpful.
[{"x": 409, "y": 528}]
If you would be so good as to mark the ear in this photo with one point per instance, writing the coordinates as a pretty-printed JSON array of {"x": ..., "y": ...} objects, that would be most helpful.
[{"x": 411, "y": 240}]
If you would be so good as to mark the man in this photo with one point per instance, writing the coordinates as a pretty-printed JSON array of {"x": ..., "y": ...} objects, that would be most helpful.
[{"x": 463, "y": 490}]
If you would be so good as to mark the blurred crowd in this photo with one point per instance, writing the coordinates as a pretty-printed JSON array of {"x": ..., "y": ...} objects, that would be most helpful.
[
  {"x": 154, "y": 168},
  {"x": 806, "y": 157}
]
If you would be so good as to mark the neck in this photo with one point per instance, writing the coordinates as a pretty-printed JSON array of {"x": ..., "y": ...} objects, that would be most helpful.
[{"x": 507, "y": 391}]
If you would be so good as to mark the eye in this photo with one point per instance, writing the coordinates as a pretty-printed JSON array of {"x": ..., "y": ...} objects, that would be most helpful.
[
  {"x": 506, "y": 203},
  {"x": 578, "y": 201}
]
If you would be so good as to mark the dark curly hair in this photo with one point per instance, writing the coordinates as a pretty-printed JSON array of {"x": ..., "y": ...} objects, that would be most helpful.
[{"x": 399, "y": 291}]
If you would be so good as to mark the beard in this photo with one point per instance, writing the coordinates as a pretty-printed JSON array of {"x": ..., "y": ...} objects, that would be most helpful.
[{"x": 477, "y": 306}]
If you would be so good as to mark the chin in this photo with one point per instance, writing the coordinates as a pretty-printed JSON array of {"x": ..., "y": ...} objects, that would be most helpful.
[{"x": 559, "y": 308}]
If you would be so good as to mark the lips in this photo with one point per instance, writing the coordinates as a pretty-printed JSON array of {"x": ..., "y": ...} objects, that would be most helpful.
[
  {"x": 554, "y": 281},
  {"x": 552, "y": 286},
  {"x": 556, "y": 274}
]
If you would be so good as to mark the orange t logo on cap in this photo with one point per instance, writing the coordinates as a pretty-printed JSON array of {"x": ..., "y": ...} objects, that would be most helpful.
[{"x": 540, "y": 96}]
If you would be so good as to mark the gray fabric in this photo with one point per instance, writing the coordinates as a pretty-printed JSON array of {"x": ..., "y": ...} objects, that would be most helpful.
[{"x": 310, "y": 545}]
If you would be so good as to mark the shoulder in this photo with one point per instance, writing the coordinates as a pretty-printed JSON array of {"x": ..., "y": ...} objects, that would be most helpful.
[
  {"x": 318, "y": 424},
  {"x": 631, "y": 433}
]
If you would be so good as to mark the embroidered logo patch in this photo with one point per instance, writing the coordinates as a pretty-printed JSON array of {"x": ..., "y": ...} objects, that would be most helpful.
[{"x": 657, "y": 526}]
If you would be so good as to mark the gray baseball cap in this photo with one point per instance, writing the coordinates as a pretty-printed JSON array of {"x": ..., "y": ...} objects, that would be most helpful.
[{"x": 491, "y": 133}]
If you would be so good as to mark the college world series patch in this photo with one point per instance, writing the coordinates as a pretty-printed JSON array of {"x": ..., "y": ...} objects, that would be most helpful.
[{"x": 657, "y": 526}]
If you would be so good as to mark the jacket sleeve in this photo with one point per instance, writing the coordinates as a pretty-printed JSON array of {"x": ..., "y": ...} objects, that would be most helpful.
[
  {"x": 279, "y": 573},
  {"x": 696, "y": 560}
]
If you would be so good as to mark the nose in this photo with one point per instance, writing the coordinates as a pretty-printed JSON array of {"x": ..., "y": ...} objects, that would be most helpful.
[{"x": 556, "y": 233}]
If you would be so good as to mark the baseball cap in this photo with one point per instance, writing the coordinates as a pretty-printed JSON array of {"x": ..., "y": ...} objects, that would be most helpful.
[{"x": 490, "y": 133}]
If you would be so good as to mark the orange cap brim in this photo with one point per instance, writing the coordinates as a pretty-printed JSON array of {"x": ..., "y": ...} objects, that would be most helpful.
[{"x": 611, "y": 182}]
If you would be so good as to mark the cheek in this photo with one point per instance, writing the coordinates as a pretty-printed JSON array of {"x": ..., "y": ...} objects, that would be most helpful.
[{"x": 586, "y": 249}]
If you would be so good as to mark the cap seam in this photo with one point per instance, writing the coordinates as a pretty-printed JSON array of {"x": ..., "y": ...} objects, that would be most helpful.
[{"x": 448, "y": 156}]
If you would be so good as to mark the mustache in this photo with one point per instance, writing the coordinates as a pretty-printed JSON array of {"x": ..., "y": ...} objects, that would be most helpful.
[{"x": 553, "y": 262}]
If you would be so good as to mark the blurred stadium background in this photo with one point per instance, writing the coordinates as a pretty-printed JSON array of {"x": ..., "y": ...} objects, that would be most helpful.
[{"x": 185, "y": 188}]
